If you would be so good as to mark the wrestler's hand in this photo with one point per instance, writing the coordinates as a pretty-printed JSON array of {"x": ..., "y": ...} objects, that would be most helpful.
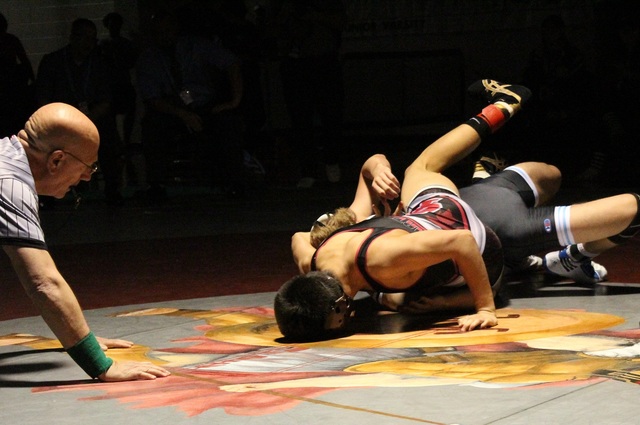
[
  {"x": 387, "y": 209},
  {"x": 482, "y": 319},
  {"x": 385, "y": 205},
  {"x": 106, "y": 343},
  {"x": 302, "y": 251},
  {"x": 384, "y": 183},
  {"x": 133, "y": 371}
]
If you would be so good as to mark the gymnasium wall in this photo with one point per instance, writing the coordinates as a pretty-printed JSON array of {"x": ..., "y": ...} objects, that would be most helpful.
[{"x": 405, "y": 60}]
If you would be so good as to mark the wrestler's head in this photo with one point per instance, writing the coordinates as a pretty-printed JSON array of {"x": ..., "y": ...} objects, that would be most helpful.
[
  {"x": 329, "y": 223},
  {"x": 312, "y": 306}
]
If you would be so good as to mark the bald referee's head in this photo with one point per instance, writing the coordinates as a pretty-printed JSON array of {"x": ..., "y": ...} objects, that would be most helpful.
[{"x": 62, "y": 145}]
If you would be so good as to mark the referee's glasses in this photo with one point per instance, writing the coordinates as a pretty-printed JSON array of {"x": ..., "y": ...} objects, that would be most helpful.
[{"x": 92, "y": 167}]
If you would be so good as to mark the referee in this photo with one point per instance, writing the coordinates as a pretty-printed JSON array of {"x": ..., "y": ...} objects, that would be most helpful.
[{"x": 57, "y": 148}]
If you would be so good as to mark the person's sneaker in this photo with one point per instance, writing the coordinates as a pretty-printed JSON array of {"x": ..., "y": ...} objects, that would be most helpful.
[
  {"x": 532, "y": 263},
  {"x": 511, "y": 96},
  {"x": 561, "y": 264},
  {"x": 487, "y": 166}
]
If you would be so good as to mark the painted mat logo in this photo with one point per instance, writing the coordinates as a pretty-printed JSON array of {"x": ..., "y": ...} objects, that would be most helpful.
[
  {"x": 236, "y": 360},
  {"x": 547, "y": 225}
]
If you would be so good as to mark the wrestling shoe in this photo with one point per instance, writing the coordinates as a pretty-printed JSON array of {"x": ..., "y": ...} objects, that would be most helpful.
[
  {"x": 487, "y": 166},
  {"x": 510, "y": 96},
  {"x": 560, "y": 263}
]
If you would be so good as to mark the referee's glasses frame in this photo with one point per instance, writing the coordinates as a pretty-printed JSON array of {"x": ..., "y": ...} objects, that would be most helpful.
[{"x": 93, "y": 168}]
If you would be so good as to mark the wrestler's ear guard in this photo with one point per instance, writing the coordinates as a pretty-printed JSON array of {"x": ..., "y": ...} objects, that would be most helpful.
[
  {"x": 339, "y": 314},
  {"x": 322, "y": 220}
]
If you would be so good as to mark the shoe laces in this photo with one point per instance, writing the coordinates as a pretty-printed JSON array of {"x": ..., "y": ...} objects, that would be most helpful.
[{"x": 499, "y": 163}]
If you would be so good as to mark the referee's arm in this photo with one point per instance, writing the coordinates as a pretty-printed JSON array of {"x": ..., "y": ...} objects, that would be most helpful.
[{"x": 49, "y": 292}]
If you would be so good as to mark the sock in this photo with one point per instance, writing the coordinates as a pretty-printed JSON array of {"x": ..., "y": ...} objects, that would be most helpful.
[
  {"x": 579, "y": 253},
  {"x": 508, "y": 109},
  {"x": 561, "y": 220}
]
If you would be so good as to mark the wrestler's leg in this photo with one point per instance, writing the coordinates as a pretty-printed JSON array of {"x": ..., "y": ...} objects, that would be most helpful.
[
  {"x": 417, "y": 179},
  {"x": 596, "y": 227},
  {"x": 546, "y": 178},
  {"x": 601, "y": 224},
  {"x": 596, "y": 222},
  {"x": 504, "y": 101},
  {"x": 448, "y": 149}
]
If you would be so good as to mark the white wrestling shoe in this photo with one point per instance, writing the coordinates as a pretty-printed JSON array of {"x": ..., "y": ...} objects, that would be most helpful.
[{"x": 561, "y": 264}]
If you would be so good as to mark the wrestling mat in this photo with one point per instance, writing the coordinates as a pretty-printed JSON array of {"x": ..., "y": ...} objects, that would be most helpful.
[{"x": 556, "y": 360}]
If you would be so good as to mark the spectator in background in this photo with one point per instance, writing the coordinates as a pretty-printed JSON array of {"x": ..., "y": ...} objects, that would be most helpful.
[
  {"x": 309, "y": 35},
  {"x": 563, "y": 87},
  {"x": 16, "y": 76},
  {"x": 78, "y": 75},
  {"x": 191, "y": 88},
  {"x": 121, "y": 54},
  {"x": 612, "y": 160},
  {"x": 243, "y": 37}
]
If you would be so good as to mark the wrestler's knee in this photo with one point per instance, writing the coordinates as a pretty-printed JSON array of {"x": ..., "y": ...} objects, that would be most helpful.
[
  {"x": 546, "y": 177},
  {"x": 634, "y": 226}
]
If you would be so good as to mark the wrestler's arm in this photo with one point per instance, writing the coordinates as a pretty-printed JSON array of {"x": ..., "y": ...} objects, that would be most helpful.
[
  {"x": 302, "y": 251},
  {"x": 391, "y": 257},
  {"x": 376, "y": 183}
]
